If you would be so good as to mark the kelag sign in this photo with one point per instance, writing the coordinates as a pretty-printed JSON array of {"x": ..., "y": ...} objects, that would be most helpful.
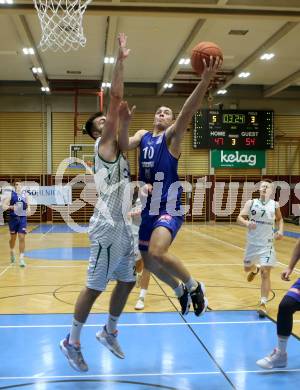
[{"x": 238, "y": 158}]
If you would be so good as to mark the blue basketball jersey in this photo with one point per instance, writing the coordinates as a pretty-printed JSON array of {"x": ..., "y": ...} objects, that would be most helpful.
[
  {"x": 21, "y": 205},
  {"x": 158, "y": 167}
]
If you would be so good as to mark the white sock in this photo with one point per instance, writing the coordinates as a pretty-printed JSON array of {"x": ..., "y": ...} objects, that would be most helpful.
[
  {"x": 282, "y": 343},
  {"x": 143, "y": 293},
  {"x": 179, "y": 290},
  {"x": 112, "y": 323},
  {"x": 263, "y": 300},
  {"x": 12, "y": 252},
  {"x": 21, "y": 256},
  {"x": 75, "y": 332},
  {"x": 191, "y": 284}
]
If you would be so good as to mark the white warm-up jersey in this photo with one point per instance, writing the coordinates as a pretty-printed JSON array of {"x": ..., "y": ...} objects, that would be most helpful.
[
  {"x": 111, "y": 178},
  {"x": 263, "y": 214}
]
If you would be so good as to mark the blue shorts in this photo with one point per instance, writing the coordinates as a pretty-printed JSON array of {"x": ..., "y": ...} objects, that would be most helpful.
[
  {"x": 151, "y": 222},
  {"x": 294, "y": 294},
  {"x": 17, "y": 225}
]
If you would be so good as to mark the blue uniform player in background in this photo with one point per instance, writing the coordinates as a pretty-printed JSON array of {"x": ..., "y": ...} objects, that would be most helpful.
[
  {"x": 162, "y": 217},
  {"x": 18, "y": 206}
]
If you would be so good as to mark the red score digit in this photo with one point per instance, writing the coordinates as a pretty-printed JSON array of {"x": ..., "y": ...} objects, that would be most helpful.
[{"x": 250, "y": 141}]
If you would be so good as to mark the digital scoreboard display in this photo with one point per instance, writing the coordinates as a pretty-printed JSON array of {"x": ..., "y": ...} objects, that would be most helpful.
[{"x": 233, "y": 129}]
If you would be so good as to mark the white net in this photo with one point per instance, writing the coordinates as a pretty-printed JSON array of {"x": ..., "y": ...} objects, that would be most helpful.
[{"x": 61, "y": 23}]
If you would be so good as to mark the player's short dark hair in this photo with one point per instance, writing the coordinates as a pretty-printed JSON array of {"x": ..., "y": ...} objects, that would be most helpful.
[
  {"x": 15, "y": 181},
  {"x": 89, "y": 124}
]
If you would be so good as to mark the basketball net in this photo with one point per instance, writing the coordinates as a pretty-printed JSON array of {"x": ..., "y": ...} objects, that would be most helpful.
[{"x": 61, "y": 23}]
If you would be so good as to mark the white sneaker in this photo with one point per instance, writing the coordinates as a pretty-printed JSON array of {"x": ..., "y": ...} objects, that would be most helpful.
[
  {"x": 12, "y": 258},
  {"x": 22, "y": 263},
  {"x": 140, "y": 304},
  {"x": 275, "y": 360},
  {"x": 109, "y": 340}
]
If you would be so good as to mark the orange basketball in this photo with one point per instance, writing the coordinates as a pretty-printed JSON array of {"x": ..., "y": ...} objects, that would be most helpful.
[{"x": 203, "y": 51}]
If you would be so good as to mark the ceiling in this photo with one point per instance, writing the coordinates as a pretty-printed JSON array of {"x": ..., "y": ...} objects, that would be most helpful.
[{"x": 159, "y": 34}]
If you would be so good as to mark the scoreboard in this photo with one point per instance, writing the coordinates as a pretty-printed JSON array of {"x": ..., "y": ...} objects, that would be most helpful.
[{"x": 233, "y": 129}]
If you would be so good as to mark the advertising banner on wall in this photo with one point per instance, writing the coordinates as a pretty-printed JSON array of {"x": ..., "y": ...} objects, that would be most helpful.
[{"x": 238, "y": 158}]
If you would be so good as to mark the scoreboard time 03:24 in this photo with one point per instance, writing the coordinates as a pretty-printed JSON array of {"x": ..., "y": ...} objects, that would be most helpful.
[{"x": 233, "y": 129}]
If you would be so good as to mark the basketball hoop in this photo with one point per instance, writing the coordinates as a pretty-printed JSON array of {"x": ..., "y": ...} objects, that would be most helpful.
[{"x": 61, "y": 23}]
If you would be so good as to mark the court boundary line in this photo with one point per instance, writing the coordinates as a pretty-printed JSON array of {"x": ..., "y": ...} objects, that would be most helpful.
[
  {"x": 254, "y": 322},
  {"x": 87, "y": 376},
  {"x": 7, "y": 268}
]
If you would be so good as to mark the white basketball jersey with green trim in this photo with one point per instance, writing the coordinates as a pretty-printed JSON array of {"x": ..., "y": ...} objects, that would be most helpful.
[
  {"x": 111, "y": 179},
  {"x": 263, "y": 214}
]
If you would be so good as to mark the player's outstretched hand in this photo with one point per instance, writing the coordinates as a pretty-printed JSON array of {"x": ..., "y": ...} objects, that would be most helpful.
[
  {"x": 123, "y": 51},
  {"x": 278, "y": 235},
  {"x": 211, "y": 68},
  {"x": 285, "y": 275},
  {"x": 125, "y": 113}
]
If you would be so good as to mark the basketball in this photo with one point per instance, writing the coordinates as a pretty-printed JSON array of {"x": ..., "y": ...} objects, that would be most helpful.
[{"x": 203, "y": 51}]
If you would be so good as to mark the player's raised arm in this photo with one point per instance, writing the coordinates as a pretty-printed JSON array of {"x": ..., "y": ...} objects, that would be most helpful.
[
  {"x": 192, "y": 104},
  {"x": 109, "y": 132},
  {"x": 125, "y": 142}
]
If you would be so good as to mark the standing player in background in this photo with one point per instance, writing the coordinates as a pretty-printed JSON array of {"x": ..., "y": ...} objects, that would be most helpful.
[
  {"x": 110, "y": 258},
  {"x": 18, "y": 206},
  {"x": 287, "y": 307},
  {"x": 162, "y": 217},
  {"x": 259, "y": 215}
]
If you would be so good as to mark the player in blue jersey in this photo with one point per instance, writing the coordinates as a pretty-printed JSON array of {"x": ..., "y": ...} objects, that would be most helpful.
[
  {"x": 18, "y": 206},
  {"x": 287, "y": 307},
  {"x": 162, "y": 218}
]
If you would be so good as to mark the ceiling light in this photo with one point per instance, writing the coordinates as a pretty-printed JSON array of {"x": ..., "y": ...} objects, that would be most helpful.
[
  {"x": 267, "y": 56},
  {"x": 222, "y": 91},
  {"x": 45, "y": 89},
  {"x": 168, "y": 85},
  {"x": 184, "y": 61},
  {"x": 37, "y": 70},
  {"x": 109, "y": 60},
  {"x": 244, "y": 75},
  {"x": 28, "y": 50},
  {"x": 106, "y": 85},
  {"x": 6, "y": 1}
]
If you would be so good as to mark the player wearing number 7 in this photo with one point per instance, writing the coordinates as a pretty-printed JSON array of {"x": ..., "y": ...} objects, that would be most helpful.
[{"x": 259, "y": 216}]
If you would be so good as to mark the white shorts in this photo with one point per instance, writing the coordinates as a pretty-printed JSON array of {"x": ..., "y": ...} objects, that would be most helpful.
[
  {"x": 111, "y": 258},
  {"x": 135, "y": 231},
  {"x": 264, "y": 256}
]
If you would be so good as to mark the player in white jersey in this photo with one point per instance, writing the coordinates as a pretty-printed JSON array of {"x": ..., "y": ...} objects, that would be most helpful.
[
  {"x": 111, "y": 255},
  {"x": 259, "y": 216}
]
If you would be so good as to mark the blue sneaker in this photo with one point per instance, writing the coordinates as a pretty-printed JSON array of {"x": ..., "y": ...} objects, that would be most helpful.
[{"x": 73, "y": 354}]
